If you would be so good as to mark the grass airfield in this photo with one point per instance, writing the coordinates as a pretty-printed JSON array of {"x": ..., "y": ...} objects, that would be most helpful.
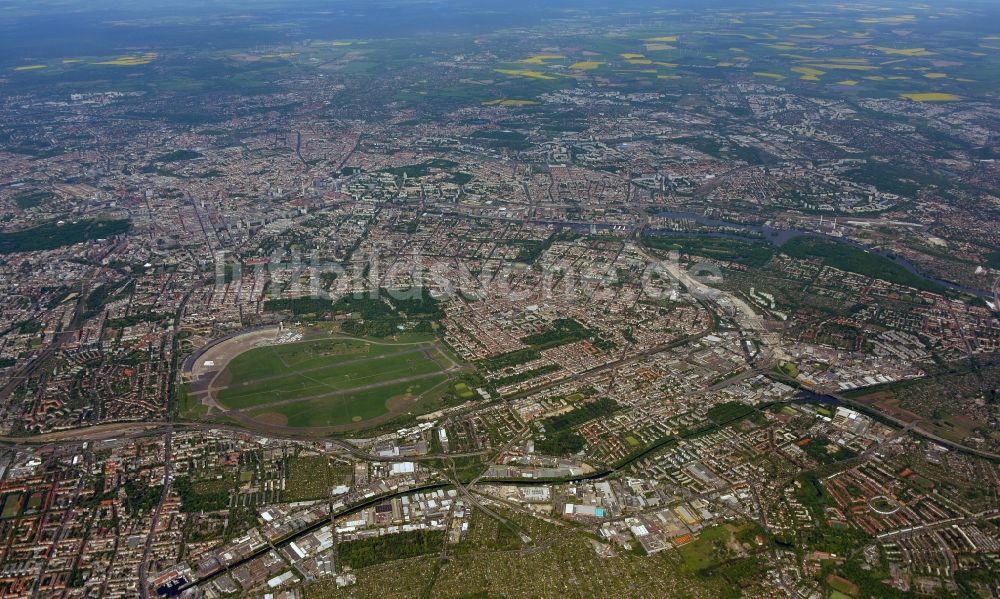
[{"x": 330, "y": 382}]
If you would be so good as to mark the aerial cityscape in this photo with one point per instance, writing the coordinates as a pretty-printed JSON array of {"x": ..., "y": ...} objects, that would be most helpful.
[{"x": 470, "y": 299}]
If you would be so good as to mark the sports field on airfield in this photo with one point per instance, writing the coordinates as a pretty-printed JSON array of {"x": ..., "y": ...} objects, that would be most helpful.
[{"x": 332, "y": 381}]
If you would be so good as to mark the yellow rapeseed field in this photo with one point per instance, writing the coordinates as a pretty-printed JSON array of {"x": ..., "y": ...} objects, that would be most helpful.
[
  {"x": 130, "y": 61},
  {"x": 931, "y": 97},
  {"x": 541, "y": 59},
  {"x": 901, "y": 51},
  {"x": 525, "y": 73},
  {"x": 808, "y": 73}
]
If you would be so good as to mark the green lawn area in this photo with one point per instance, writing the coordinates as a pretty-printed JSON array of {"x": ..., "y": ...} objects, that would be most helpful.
[
  {"x": 189, "y": 406},
  {"x": 277, "y": 359},
  {"x": 790, "y": 368},
  {"x": 841, "y": 586},
  {"x": 337, "y": 381},
  {"x": 702, "y": 553},
  {"x": 11, "y": 505},
  {"x": 344, "y": 409},
  {"x": 312, "y": 372},
  {"x": 35, "y": 501},
  {"x": 716, "y": 558}
]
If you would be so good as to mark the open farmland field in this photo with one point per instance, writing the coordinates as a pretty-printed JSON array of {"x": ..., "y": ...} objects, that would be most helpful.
[{"x": 835, "y": 52}]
